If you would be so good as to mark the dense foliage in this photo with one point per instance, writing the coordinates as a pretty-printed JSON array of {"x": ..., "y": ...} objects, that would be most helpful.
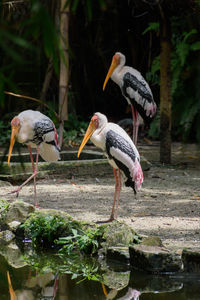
[
  {"x": 46, "y": 231},
  {"x": 30, "y": 46}
]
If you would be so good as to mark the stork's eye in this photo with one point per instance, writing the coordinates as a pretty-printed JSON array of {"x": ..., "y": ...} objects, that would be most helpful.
[{"x": 96, "y": 122}]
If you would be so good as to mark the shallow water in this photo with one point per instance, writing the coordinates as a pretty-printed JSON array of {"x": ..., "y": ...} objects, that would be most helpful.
[{"x": 41, "y": 281}]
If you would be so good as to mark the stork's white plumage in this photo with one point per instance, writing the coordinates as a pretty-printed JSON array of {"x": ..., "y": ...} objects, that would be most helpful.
[
  {"x": 134, "y": 88},
  {"x": 36, "y": 131},
  {"x": 120, "y": 151}
]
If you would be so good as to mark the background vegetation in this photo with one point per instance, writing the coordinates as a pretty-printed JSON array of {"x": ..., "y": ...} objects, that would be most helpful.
[{"x": 31, "y": 53}]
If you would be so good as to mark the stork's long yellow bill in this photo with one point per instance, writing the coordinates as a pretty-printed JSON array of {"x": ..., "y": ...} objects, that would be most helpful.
[
  {"x": 113, "y": 65},
  {"x": 14, "y": 133},
  {"x": 89, "y": 132}
]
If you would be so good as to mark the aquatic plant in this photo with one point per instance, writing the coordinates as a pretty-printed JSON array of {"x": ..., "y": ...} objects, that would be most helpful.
[
  {"x": 50, "y": 230},
  {"x": 80, "y": 240},
  {"x": 44, "y": 229},
  {"x": 78, "y": 266}
]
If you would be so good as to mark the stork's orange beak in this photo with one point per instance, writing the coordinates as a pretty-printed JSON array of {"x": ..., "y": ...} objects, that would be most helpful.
[
  {"x": 89, "y": 132},
  {"x": 14, "y": 132},
  {"x": 113, "y": 65}
]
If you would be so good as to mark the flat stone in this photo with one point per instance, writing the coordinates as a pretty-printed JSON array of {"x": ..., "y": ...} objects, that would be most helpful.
[
  {"x": 117, "y": 234},
  {"x": 119, "y": 253},
  {"x": 13, "y": 255},
  {"x": 4, "y": 183},
  {"x": 19, "y": 211},
  {"x": 191, "y": 260},
  {"x": 116, "y": 280},
  {"x": 93, "y": 162},
  {"x": 155, "y": 259},
  {"x": 13, "y": 225},
  {"x": 152, "y": 241},
  {"x": 6, "y": 237}
]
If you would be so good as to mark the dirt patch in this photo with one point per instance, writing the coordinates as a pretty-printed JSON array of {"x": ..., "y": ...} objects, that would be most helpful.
[{"x": 168, "y": 204}]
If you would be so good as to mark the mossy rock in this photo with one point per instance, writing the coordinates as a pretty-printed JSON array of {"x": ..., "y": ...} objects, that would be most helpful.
[
  {"x": 116, "y": 280},
  {"x": 4, "y": 206},
  {"x": 155, "y": 259},
  {"x": 18, "y": 211},
  {"x": 152, "y": 241},
  {"x": 13, "y": 255},
  {"x": 191, "y": 260},
  {"x": 6, "y": 237},
  {"x": 117, "y": 234}
]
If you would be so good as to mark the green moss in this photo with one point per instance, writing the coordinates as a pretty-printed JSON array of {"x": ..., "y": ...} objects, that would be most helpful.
[
  {"x": 152, "y": 241},
  {"x": 118, "y": 234},
  {"x": 4, "y": 205}
]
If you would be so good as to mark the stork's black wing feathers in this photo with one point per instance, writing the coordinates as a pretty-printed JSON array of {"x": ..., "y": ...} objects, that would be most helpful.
[
  {"x": 131, "y": 81},
  {"x": 41, "y": 128},
  {"x": 116, "y": 142}
]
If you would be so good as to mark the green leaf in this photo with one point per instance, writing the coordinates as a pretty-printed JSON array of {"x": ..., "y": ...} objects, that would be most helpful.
[
  {"x": 74, "y": 6},
  {"x": 102, "y": 4},
  {"x": 182, "y": 49},
  {"x": 74, "y": 276},
  {"x": 12, "y": 53},
  {"x": 88, "y": 6},
  {"x": 155, "y": 26},
  {"x": 195, "y": 46},
  {"x": 16, "y": 39},
  {"x": 75, "y": 232},
  {"x": 67, "y": 3},
  {"x": 186, "y": 35}
]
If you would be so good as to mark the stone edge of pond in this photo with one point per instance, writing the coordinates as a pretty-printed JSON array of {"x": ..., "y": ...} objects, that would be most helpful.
[
  {"x": 67, "y": 168},
  {"x": 120, "y": 242}
]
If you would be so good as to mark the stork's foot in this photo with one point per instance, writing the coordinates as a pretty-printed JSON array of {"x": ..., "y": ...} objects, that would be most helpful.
[
  {"x": 106, "y": 221},
  {"x": 15, "y": 191},
  {"x": 36, "y": 205},
  {"x": 17, "y": 194}
]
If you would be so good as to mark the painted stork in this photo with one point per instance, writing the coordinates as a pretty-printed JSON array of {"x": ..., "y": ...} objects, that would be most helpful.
[
  {"x": 37, "y": 131},
  {"x": 134, "y": 88},
  {"x": 120, "y": 151}
]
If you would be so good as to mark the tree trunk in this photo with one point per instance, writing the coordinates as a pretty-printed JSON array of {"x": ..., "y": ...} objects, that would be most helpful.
[
  {"x": 64, "y": 68},
  {"x": 165, "y": 92},
  {"x": 47, "y": 80}
]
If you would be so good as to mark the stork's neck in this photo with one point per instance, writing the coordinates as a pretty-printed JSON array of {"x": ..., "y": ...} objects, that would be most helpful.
[
  {"x": 116, "y": 75},
  {"x": 98, "y": 138},
  {"x": 100, "y": 129}
]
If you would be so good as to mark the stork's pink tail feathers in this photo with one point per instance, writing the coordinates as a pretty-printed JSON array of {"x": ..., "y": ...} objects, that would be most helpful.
[
  {"x": 137, "y": 175},
  {"x": 56, "y": 136}
]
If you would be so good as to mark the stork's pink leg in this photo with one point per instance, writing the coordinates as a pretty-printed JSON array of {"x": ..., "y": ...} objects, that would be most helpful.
[
  {"x": 136, "y": 127},
  {"x": 35, "y": 167},
  {"x": 118, "y": 188},
  {"x": 135, "y": 124},
  {"x": 55, "y": 286},
  {"x": 116, "y": 197}
]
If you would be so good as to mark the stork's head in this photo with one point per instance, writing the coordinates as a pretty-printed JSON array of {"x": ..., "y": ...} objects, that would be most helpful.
[
  {"x": 97, "y": 121},
  {"x": 118, "y": 59},
  {"x": 15, "y": 126}
]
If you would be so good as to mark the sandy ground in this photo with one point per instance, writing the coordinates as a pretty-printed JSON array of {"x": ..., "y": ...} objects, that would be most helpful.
[{"x": 168, "y": 205}]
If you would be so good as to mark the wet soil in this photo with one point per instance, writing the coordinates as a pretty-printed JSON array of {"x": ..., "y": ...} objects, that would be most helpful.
[{"x": 168, "y": 204}]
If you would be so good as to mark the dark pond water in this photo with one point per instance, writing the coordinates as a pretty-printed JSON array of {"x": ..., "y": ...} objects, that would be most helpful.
[{"x": 43, "y": 281}]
